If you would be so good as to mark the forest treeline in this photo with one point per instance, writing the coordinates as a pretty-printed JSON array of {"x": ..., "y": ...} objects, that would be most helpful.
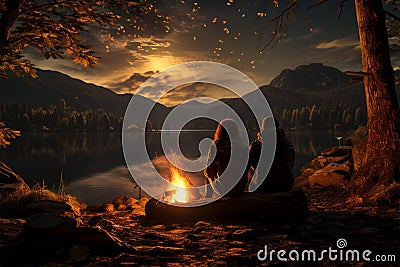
[
  {"x": 58, "y": 117},
  {"x": 61, "y": 117},
  {"x": 335, "y": 117}
]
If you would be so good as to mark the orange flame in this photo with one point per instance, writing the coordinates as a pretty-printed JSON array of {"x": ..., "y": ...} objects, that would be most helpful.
[{"x": 179, "y": 184}]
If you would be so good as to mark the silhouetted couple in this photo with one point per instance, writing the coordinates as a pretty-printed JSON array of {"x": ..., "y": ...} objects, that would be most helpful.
[{"x": 279, "y": 178}]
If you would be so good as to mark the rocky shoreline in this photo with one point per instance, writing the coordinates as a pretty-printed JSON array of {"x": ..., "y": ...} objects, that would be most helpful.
[
  {"x": 333, "y": 167},
  {"x": 67, "y": 233}
]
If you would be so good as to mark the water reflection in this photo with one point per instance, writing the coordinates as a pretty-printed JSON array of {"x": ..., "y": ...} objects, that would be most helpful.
[
  {"x": 43, "y": 157},
  {"x": 101, "y": 187},
  {"x": 94, "y": 168},
  {"x": 309, "y": 144}
]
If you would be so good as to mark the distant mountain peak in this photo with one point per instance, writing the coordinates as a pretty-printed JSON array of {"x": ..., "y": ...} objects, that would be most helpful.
[{"x": 314, "y": 76}]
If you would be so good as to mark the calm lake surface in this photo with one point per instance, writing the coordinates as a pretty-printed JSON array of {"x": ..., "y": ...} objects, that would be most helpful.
[{"x": 93, "y": 166}]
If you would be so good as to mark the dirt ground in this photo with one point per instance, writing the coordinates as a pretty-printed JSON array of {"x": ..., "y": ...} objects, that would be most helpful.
[{"x": 331, "y": 218}]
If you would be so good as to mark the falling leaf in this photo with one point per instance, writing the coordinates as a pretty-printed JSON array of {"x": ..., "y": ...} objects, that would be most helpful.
[
  {"x": 194, "y": 38},
  {"x": 220, "y": 41},
  {"x": 226, "y": 30},
  {"x": 243, "y": 15},
  {"x": 252, "y": 62},
  {"x": 205, "y": 25},
  {"x": 214, "y": 20},
  {"x": 238, "y": 59},
  {"x": 224, "y": 22}
]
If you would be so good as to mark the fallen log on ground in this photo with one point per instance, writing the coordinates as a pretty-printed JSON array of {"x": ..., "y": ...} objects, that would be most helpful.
[{"x": 270, "y": 207}]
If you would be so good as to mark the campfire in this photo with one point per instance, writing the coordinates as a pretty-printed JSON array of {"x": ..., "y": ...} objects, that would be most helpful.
[
  {"x": 179, "y": 186},
  {"x": 178, "y": 191}
]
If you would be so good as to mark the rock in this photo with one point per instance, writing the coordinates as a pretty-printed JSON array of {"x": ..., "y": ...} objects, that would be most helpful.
[
  {"x": 336, "y": 159},
  {"x": 332, "y": 174},
  {"x": 244, "y": 235},
  {"x": 324, "y": 161},
  {"x": 310, "y": 168},
  {"x": 99, "y": 241},
  {"x": 307, "y": 172},
  {"x": 49, "y": 206},
  {"x": 119, "y": 200},
  {"x": 50, "y": 226},
  {"x": 153, "y": 236},
  {"x": 343, "y": 169},
  {"x": 121, "y": 206},
  {"x": 108, "y": 207},
  {"x": 337, "y": 152},
  {"x": 325, "y": 179},
  {"x": 301, "y": 181},
  {"x": 131, "y": 202},
  {"x": 78, "y": 254}
]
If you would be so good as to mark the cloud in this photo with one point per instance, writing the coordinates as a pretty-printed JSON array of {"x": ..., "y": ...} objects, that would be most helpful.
[
  {"x": 132, "y": 83},
  {"x": 151, "y": 43},
  {"x": 194, "y": 90},
  {"x": 345, "y": 42}
]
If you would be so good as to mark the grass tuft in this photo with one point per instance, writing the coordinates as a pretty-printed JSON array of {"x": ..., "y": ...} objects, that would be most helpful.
[{"x": 14, "y": 204}]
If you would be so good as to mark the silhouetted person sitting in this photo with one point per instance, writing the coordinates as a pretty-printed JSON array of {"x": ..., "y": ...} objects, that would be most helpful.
[
  {"x": 222, "y": 155},
  {"x": 280, "y": 177}
]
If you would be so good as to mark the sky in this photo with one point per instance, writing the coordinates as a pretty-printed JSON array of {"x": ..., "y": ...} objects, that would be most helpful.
[{"x": 225, "y": 31}]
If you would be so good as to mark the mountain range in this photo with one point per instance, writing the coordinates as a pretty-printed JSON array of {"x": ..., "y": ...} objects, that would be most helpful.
[
  {"x": 303, "y": 86},
  {"x": 51, "y": 86}
]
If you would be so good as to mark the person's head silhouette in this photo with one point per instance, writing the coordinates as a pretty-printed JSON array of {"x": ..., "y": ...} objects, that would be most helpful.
[{"x": 224, "y": 127}]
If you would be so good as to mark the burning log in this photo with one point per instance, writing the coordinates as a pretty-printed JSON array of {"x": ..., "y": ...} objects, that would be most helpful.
[{"x": 270, "y": 207}]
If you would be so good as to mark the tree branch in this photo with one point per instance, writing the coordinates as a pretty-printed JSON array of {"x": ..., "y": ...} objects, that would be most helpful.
[
  {"x": 279, "y": 21},
  {"x": 341, "y": 8},
  {"x": 317, "y": 4},
  {"x": 286, "y": 10},
  {"x": 7, "y": 21},
  {"x": 356, "y": 73},
  {"x": 393, "y": 16},
  {"x": 23, "y": 11}
]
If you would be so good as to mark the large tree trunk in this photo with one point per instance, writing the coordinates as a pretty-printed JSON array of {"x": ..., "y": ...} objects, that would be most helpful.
[{"x": 382, "y": 159}]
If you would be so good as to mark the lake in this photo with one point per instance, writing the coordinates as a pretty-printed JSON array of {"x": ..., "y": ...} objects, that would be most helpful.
[{"x": 93, "y": 167}]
